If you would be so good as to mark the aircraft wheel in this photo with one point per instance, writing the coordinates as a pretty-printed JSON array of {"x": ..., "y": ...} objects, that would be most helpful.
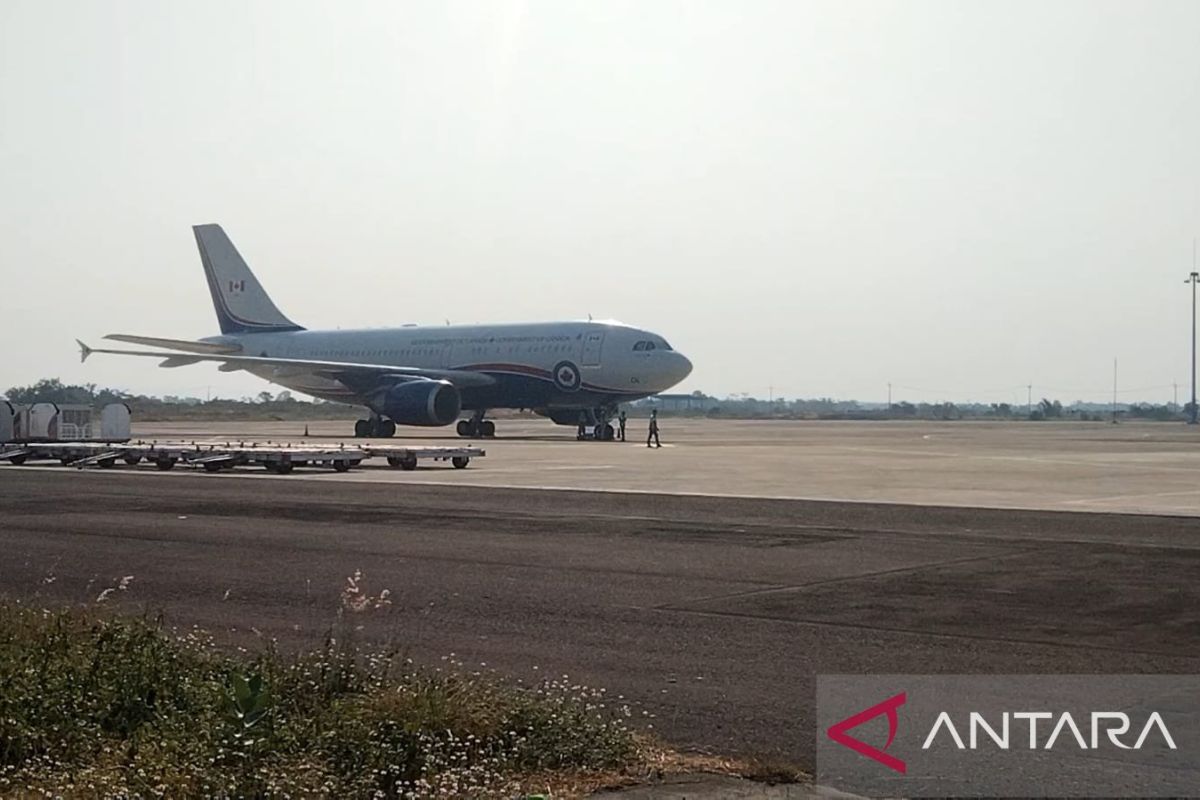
[
  {"x": 609, "y": 433},
  {"x": 107, "y": 463},
  {"x": 165, "y": 464},
  {"x": 341, "y": 466},
  {"x": 488, "y": 428},
  {"x": 362, "y": 429},
  {"x": 17, "y": 461},
  {"x": 282, "y": 468},
  {"x": 460, "y": 462},
  {"x": 131, "y": 460},
  {"x": 463, "y": 428},
  {"x": 387, "y": 429},
  {"x": 212, "y": 466}
]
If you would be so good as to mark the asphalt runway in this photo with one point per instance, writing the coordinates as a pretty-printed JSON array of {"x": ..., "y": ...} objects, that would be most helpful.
[{"x": 712, "y": 614}]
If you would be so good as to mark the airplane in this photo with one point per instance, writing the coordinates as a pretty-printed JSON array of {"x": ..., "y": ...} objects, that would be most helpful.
[{"x": 575, "y": 373}]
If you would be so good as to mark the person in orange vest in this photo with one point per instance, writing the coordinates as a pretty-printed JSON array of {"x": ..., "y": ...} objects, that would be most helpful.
[{"x": 653, "y": 429}]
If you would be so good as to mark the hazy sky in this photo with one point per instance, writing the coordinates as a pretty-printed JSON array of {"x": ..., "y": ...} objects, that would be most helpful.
[{"x": 957, "y": 197}]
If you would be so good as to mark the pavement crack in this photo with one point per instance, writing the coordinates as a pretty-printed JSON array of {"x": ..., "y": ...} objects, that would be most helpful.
[{"x": 778, "y": 588}]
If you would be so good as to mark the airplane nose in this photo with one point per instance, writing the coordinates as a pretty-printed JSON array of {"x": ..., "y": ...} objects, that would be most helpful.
[{"x": 681, "y": 367}]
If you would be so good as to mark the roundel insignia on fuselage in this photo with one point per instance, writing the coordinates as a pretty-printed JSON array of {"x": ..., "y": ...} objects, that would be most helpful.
[{"x": 566, "y": 376}]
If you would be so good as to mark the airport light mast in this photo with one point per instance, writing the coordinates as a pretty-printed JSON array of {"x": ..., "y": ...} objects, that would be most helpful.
[{"x": 1192, "y": 279}]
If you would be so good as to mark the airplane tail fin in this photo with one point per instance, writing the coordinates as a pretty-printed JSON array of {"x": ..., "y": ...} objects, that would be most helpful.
[{"x": 241, "y": 303}]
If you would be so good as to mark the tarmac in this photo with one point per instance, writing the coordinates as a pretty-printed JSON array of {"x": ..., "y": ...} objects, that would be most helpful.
[
  {"x": 709, "y": 615},
  {"x": 1139, "y": 468}
]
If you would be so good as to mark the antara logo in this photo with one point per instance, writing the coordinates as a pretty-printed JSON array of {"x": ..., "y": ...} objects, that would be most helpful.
[
  {"x": 838, "y": 732},
  {"x": 237, "y": 286},
  {"x": 1114, "y": 724}
]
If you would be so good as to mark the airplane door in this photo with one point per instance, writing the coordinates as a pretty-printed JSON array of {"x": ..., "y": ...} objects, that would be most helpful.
[{"x": 592, "y": 344}]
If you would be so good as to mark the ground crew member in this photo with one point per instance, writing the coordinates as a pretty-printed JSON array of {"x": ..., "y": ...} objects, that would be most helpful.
[
  {"x": 581, "y": 434},
  {"x": 621, "y": 424},
  {"x": 653, "y": 429}
]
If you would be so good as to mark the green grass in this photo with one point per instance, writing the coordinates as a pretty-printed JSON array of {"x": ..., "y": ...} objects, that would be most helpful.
[{"x": 96, "y": 705}]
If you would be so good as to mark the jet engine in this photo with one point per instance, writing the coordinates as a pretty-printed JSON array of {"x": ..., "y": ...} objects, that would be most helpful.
[{"x": 422, "y": 402}]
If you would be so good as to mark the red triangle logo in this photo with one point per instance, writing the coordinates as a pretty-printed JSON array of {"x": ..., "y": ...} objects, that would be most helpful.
[{"x": 838, "y": 732}]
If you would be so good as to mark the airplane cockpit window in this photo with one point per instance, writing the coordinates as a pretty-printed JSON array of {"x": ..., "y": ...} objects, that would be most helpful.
[
  {"x": 664, "y": 344},
  {"x": 640, "y": 346},
  {"x": 649, "y": 345}
]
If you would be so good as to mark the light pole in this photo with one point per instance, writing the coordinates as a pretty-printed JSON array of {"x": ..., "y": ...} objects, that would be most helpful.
[{"x": 1192, "y": 279}]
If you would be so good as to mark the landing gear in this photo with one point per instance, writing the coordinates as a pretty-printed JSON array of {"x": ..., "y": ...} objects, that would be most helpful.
[
  {"x": 476, "y": 427},
  {"x": 374, "y": 428},
  {"x": 604, "y": 431}
]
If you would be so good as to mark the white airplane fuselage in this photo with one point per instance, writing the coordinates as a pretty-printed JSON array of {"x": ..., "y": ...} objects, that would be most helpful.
[{"x": 550, "y": 365}]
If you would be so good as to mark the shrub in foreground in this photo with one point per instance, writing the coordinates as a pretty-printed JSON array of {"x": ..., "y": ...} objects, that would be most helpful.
[{"x": 95, "y": 705}]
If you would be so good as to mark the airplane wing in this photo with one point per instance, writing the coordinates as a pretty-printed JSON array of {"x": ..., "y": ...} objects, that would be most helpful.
[
  {"x": 352, "y": 375},
  {"x": 187, "y": 345}
]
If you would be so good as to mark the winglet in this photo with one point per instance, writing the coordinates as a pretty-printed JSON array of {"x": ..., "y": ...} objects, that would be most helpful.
[{"x": 84, "y": 351}]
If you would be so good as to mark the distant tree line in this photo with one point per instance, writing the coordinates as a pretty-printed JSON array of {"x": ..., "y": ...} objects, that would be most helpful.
[
  {"x": 739, "y": 406},
  {"x": 264, "y": 405}
]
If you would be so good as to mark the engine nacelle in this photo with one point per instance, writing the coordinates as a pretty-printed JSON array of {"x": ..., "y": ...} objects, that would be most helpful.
[{"x": 422, "y": 402}]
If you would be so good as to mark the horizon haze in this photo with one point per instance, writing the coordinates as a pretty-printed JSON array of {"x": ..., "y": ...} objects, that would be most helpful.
[{"x": 807, "y": 199}]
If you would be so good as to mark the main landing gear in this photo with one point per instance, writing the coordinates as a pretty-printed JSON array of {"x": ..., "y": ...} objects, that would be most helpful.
[
  {"x": 476, "y": 427},
  {"x": 374, "y": 428},
  {"x": 602, "y": 430}
]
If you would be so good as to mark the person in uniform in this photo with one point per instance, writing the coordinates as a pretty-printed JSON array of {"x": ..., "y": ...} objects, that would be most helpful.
[
  {"x": 653, "y": 434},
  {"x": 581, "y": 433},
  {"x": 621, "y": 425}
]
